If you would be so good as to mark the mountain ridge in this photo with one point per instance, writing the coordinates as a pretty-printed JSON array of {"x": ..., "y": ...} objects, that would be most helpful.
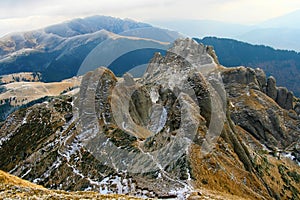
[
  {"x": 58, "y": 51},
  {"x": 153, "y": 137}
]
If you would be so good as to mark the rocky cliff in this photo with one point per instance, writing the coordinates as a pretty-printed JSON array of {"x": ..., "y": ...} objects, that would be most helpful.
[{"x": 187, "y": 124}]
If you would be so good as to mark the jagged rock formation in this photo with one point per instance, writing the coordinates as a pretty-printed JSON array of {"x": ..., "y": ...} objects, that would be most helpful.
[
  {"x": 271, "y": 88},
  {"x": 188, "y": 123},
  {"x": 282, "y": 64},
  {"x": 281, "y": 95},
  {"x": 256, "y": 78},
  {"x": 266, "y": 121}
]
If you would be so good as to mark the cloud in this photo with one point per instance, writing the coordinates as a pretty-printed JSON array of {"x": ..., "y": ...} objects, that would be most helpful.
[
  {"x": 145, "y": 9},
  {"x": 19, "y": 8},
  {"x": 27, "y": 23}
]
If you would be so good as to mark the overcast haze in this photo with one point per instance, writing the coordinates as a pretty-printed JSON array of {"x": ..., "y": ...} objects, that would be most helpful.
[{"x": 20, "y": 15}]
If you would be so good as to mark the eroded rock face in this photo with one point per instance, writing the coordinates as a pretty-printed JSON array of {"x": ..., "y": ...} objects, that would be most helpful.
[
  {"x": 289, "y": 101},
  {"x": 284, "y": 98},
  {"x": 257, "y": 114},
  {"x": 187, "y": 123},
  {"x": 297, "y": 108},
  {"x": 271, "y": 88},
  {"x": 261, "y": 79},
  {"x": 256, "y": 79},
  {"x": 281, "y": 95},
  {"x": 240, "y": 75},
  {"x": 261, "y": 117}
]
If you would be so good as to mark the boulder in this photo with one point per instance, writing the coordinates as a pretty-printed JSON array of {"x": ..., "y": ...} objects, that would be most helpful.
[
  {"x": 261, "y": 79},
  {"x": 271, "y": 90},
  {"x": 281, "y": 96},
  {"x": 284, "y": 98},
  {"x": 289, "y": 101},
  {"x": 242, "y": 76}
]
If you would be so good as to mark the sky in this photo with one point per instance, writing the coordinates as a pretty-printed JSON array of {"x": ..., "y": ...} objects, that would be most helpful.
[{"x": 21, "y": 15}]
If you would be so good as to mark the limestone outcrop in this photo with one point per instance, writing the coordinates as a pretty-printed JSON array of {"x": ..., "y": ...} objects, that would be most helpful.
[{"x": 187, "y": 124}]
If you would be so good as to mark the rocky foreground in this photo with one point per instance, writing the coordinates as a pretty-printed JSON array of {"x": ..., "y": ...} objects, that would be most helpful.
[
  {"x": 12, "y": 187},
  {"x": 188, "y": 126}
]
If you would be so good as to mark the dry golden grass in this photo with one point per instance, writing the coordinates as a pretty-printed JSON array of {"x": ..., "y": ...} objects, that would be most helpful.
[
  {"x": 24, "y": 92},
  {"x": 28, "y": 76},
  {"x": 6, "y": 178},
  {"x": 12, "y": 187},
  {"x": 223, "y": 174}
]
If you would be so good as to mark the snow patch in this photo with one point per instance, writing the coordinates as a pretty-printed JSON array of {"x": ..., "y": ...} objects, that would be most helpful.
[
  {"x": 158, "y": 119},
  {"x": 116, "y": 184},
  {"x": 71, "y": 149},
  {"x": 3, "y": 139},
  {"x": 154, "y": 95},
  {"x": 28, "y": 171},
  {"x": 54, "y": 166},
  {"x": 163, "y": 120},
  {"x": 291, "y": 157},
  {"x": 181, "y": 194},
  {"x": 37, "y": 180}
]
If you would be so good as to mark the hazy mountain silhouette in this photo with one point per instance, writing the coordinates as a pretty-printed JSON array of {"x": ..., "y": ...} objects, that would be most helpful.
[{"x": 280, "y": 32}]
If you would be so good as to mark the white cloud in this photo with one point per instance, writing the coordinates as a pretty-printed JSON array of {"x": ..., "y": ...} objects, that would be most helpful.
[{"x": 27, "y": 23}]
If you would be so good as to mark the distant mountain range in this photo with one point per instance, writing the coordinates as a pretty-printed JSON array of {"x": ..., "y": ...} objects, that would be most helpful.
[
  {"x": 72, "y": 48},
  {"x": 282, "y": 64},
  {"x": 58, "y": 51},
  {"x": 280, "y": 33}
]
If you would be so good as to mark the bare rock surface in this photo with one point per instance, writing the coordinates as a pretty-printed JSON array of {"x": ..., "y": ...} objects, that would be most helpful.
[{"x": 187, "y": 124}]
